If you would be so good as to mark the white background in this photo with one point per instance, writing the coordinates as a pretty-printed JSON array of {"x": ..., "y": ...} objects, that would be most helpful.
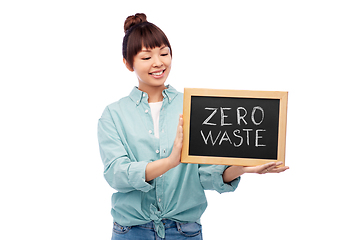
[{"x": 61, "y": 64}]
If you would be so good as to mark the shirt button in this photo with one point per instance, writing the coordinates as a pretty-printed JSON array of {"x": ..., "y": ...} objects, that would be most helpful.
[
  {"x": 146, "y": 111},
  {"x": 157, "y": 151},
  {"x": 159, "y": 200},
  {"x": 170, "y": 98},
  {"x": 144, "y": 95},
  {"x": 150, "y": 131}
]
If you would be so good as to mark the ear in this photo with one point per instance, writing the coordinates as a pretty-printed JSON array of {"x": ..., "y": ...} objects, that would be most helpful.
[{"x": 127, "y": 65}]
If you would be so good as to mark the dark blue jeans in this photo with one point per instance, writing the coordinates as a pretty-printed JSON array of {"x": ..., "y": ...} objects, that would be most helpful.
[{"x": 173, "y": 231}]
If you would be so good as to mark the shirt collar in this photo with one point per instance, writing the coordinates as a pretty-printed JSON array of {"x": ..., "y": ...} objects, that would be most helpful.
[{"x": 137, "y": 96}]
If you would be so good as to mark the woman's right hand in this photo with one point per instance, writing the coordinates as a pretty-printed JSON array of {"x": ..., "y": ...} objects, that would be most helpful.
[
  {"x": 161, "y": 166},
  {"x": 175, "y": 156}
]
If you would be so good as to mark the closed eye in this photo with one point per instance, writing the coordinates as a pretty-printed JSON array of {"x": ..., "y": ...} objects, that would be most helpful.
[{"x": 148, "y": 58}]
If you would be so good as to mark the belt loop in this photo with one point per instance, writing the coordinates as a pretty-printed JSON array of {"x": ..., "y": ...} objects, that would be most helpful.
[{"x": 178, "y": 226}]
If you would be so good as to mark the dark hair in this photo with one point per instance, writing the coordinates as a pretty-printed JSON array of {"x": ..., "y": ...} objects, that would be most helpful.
[{"x": 140, "y": 33}]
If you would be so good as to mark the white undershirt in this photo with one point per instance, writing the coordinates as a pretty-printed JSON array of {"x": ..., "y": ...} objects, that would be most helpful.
[{"x": 155, "y": 113}]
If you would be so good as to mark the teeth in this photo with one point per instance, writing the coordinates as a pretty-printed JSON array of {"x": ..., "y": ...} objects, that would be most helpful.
[{"x": 158, "y": 73}]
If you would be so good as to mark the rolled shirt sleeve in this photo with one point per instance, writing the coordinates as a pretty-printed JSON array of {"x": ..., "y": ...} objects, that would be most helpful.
[
  {"x": 211, "y": 178},
  {"x": 122, "y": 173}
]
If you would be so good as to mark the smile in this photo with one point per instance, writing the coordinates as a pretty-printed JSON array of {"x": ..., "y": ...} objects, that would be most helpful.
[{"x": 157, "y": 73}]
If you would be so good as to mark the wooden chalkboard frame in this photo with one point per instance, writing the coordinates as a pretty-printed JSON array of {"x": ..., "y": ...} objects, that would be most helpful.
[{"x": 189, "y": 92}]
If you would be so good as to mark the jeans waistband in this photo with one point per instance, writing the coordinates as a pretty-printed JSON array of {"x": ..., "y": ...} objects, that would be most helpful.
[{"x": 167, "y": 224}]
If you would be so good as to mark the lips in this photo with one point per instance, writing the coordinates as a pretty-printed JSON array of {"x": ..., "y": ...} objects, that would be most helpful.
[{"x": 158, "y": 73}]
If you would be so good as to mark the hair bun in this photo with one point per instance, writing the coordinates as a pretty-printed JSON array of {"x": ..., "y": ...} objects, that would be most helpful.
[{"x": 133, "y": 20}]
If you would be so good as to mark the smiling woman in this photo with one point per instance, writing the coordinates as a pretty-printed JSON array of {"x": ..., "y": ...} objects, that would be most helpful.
[{"x": 141, "y": 137}]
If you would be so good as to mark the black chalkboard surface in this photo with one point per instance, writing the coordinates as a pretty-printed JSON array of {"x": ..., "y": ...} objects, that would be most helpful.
[{"x": 234, "y": 127}]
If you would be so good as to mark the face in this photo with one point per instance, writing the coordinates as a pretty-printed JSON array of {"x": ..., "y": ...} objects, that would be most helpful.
[{"x": 152, "y": 67}]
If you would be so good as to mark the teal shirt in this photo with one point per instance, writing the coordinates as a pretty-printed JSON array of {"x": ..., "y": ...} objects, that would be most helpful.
[{"x": 127, "y": 144}]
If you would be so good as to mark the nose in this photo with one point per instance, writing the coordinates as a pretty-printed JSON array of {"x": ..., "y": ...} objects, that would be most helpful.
[{"x": 157, "y": 62}]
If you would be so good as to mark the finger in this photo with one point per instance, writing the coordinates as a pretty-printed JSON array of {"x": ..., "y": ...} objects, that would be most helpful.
[
  {"x": 280, "y": 169},
  {"x": 179, "y": 133},
  {"x": 181, "y": 120},
  {"x": 271, "y": 168},
  {"x": 265, "y": 168}
]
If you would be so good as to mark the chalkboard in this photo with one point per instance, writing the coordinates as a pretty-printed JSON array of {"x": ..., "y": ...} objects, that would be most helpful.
[{"x": 234, "y": 127}]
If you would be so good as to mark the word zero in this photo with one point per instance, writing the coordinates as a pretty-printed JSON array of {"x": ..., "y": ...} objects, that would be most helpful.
[{"x": 240, "y": 116}]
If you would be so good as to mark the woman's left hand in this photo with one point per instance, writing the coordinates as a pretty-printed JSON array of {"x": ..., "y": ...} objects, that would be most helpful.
[
  {"x": 272, "y": 167},
  {"x": 235, "y": 171}
]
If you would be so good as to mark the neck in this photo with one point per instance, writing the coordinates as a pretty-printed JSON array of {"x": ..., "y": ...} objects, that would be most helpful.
[{"x": 154, "y": 93}]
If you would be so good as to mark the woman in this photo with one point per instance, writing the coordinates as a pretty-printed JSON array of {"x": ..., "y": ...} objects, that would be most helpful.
[{"x": 140, "y": 139}]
